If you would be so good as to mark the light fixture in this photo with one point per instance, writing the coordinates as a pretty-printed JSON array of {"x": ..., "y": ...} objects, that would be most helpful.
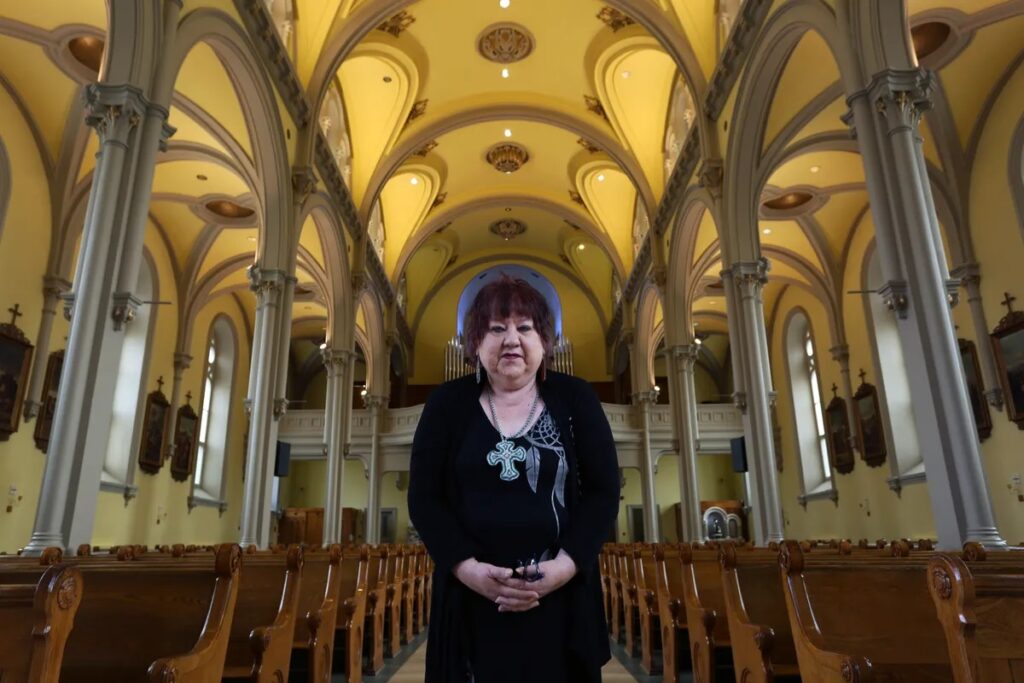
[
  {"x": 625, "y": 74},
  {"x": 657, "y": 389},
  {"x": 581, "y": 247},
  {"x": 503, "y": 4},
  {"x": 698, "y": 341},
  {"x": 323, "y": 347},
  {"x": 363, "y": 392},
  {"x": 767, "y": 231},
  {"x": 815, "y": 169},
  {"x": 414, "y": 181},
  {"x": 504, "y": 72},
  {"x": 600, "y": 177},
  {"x": 508, "y": 132},
  {"x": 201, "y": 176}
]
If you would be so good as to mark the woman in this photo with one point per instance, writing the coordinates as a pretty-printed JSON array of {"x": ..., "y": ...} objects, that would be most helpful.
[{"x": 514, "y": 486}]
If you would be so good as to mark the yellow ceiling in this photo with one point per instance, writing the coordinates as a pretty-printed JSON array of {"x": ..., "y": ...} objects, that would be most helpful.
[
  {"x": 204, "y": 80},
  {"x": 810, "y": 69}
]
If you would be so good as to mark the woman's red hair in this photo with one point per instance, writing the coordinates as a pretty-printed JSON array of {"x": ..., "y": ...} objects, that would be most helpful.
[{"x": 504, "y": 298}]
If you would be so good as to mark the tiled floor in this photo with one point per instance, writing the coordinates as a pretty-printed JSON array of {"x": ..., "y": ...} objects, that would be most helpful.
[{"x": 411, "y": 669}]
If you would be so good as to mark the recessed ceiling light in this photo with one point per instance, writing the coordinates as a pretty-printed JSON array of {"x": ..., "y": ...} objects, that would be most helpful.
[
  {"x": 504, "y": 72},
  {"x": 503, "y": 4},
  {"x": 581, "y": 247},
  {"x": 600, "y": 177},
  {"x": 414, "y": 181},
  {"x": 767, "y": 231},
  {"x": 200, "y": 176},
  {"x": 625, "y": 74},
  {"x": 815, "y": 169},
  {"x": 387, "y": 79},
  {"x": 508, "y": 132},
  {"x": 508, "y": 209}
]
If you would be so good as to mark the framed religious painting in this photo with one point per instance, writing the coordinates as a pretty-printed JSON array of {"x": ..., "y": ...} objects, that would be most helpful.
[
  {"x": 185, "y": 431},
  {"x": 837, "y": 428},
  {"x": 154, "y": 425},
  {"x": 975, "y": 388},
  {"x": 15, "y": 360},
  {"x": 48, "y": 400},
  {"x": 870, "y": 431},
  {"x": 1008, "y": 347}
]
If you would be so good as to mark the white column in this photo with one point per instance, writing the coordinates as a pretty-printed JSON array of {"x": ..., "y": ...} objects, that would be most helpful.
[
  {"x": 970, "y": 277},
  {"x": 644, "y": 400},
  {"x": 336, "y": 430},
  {"x": 749, "y": 278},
  {"x": 376, "y": 405},
  {"x": 53, "y": 287},
  {"x": 887, "y": 117},
  {"x": 268, "y": 285},
  {"x": 100, "y": 312},
  {"x": 683, "y": 398}
]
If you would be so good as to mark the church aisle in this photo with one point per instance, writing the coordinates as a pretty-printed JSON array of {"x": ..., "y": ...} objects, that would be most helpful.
[{"x": 412, "y": 671}]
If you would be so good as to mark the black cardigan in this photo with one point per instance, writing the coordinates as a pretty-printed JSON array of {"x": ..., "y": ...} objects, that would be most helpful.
[{"x": 592, "y": 504}]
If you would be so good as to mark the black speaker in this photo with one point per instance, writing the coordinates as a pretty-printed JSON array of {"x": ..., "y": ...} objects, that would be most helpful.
[
  {"x": 282, "y": 459},
  {"x": 738, "y": 446}
]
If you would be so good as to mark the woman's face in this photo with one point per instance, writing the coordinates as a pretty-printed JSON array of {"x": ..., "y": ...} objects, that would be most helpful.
[{"x": 511, "y": 350}]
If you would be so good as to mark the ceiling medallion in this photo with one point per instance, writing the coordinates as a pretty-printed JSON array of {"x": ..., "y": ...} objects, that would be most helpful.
[
  {"x": 507, "y": 157},
  {"x": 588, "y": 145},
  {"x": 614, "y": 19},
  {"x": 505, "y": 43},
  {"x": 87, "y": 51},
  {"x": 507, "y": 228},
  {"x": 929, "y": 37},
  {"x": 788, "y": 201},
  {"x": 594, "y": 106},
  {"x": 396, "y": 24},
  {"x": 226, "y": 208}
]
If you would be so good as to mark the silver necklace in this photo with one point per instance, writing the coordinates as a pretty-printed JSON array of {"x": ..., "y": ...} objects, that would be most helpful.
[{"x": 506, "y": 452}]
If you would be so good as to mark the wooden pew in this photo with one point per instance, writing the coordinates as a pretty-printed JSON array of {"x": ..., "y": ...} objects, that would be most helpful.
[
  {"x": 671, "y": 611},
  {"x": 762, "y": 642},
  {"x": 606, "y": 578},
  {"x": 36, "y": 618},
  {"x": 866, "y": 618},
  {"x": 263, "y": 630},
  {"x": 419, "y": 621},
  {"x": 408, "y": 593},
  {"x": 645, "y": 571},
  {"x": 317, "y": 610},
  {"x": 630, "y": 608},
  {"x": 352, "y": 611},
  {"x": 393, "y": 605},
  {"x": 615, "y": 584},
  {"x": 186, "y": 642},
  {"x": 708, "y": 625},
  {"x": 981, "y": 608},
  {"x": 376, "y": 606}
]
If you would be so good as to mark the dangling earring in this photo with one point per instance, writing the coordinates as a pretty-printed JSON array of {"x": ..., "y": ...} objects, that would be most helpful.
[{"x": 478, "y": 369}]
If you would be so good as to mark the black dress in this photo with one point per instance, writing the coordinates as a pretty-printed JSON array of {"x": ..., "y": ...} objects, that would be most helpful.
[
  {"x": 565, "y": 637},
  {"x": 514, "y": 508}
]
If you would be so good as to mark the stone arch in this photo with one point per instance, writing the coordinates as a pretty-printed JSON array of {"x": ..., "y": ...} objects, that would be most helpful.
[
  {"x": 340, "y": 314},
  {"x": 377, "y": 380},
  {"x": 645, "y": 337},
  {"x": 234, "y": 48},
  {"x": 678, "y": 327}
]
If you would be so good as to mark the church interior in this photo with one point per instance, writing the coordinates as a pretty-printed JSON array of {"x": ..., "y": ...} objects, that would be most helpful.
[{"x": 238, "y": 239}]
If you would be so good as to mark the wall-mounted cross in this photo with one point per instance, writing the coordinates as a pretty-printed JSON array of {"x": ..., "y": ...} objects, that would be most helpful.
[
  {"x": 160, "y": 383},
  {"x": 188, "y": 397},
  {"x": 862, "y": 375},
  {"x": 1008, "y": 301},
  {"x": 15, "y": 313},
  {"x": 835, "y": 390}
]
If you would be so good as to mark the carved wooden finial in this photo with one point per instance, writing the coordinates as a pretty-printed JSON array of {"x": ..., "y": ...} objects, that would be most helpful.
[
  {"x": 862, "y": 375},
  {"x": 160, "y": 383},
  {"x": 1007, "y": 301},
  {"x": 16, "y": 313}
]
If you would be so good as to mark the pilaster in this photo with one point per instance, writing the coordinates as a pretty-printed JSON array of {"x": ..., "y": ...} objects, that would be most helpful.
[
  {"x": 53, "y": 287},
  {"x": 643, "y": 400},
  {"x": 969, "y": 275},
  {"x": 376, "y": 405},
  {"x": 682, "y": 359}
]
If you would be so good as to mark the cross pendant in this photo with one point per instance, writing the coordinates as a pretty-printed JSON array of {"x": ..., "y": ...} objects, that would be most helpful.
[{"x": 506, "y": 453}]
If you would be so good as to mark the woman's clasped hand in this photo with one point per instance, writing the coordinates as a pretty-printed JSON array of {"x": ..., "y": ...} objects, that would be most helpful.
[{"x": 512, "y": 594}]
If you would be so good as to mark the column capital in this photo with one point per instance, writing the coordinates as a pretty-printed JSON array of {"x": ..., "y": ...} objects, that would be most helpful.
[
  {"x": 336, "y": 358},
  {"x": 894, "y": 296},
  {"x": 265, "y": 281},
  {"x": 54, "y": 285},
  {"x": 126, "y": 306},
  {"x": 710, "y": 175},
  {"x": 967, "y": 273},
  {"x": 280, "y": 407},
  {"x": 901, "y": 97},
  {"x": 841, "y": 354},
  {"x": 375, "y": 401},
  {"x": 642, "y": 398},
  {"x": 751, "y": 276},
  {"x": 303, "y": 183},
  {"x": 182, "y": 362},
  {"x": 685, "y": 354},
  {"x": 114, "y": 110}
]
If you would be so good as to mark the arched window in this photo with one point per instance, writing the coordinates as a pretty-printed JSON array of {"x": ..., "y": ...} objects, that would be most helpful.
[
  {"x": 130, "y": 391},
  {"x": 214, "y": 415},
  {"x": 905, "y": 457},
  {"x": 805, "y": 387}
]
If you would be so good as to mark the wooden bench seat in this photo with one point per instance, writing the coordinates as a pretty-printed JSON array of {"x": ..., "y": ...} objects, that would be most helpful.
[
  {"x": 981, "y": 608},
  {"x": 393, "y": 604},
  {"x": 675, "y": 644},
  {"x": 351, "y": 612},
  {"x": 704, "y": 599},
  {"x": 408, "y": 593},
  {"x": 317, "y": 610},
  {"x": 762, "y": 642},
  {"x": 862, "y": 618},
  {"x": 615, "y": 582},
  {"x": 628, "y": 597},
  {"x": 150, "y": 621},
  {"x": 376, "y": 606},
  {"x": 645, "y": 571},
  {"x": 37, "y": 613}
]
